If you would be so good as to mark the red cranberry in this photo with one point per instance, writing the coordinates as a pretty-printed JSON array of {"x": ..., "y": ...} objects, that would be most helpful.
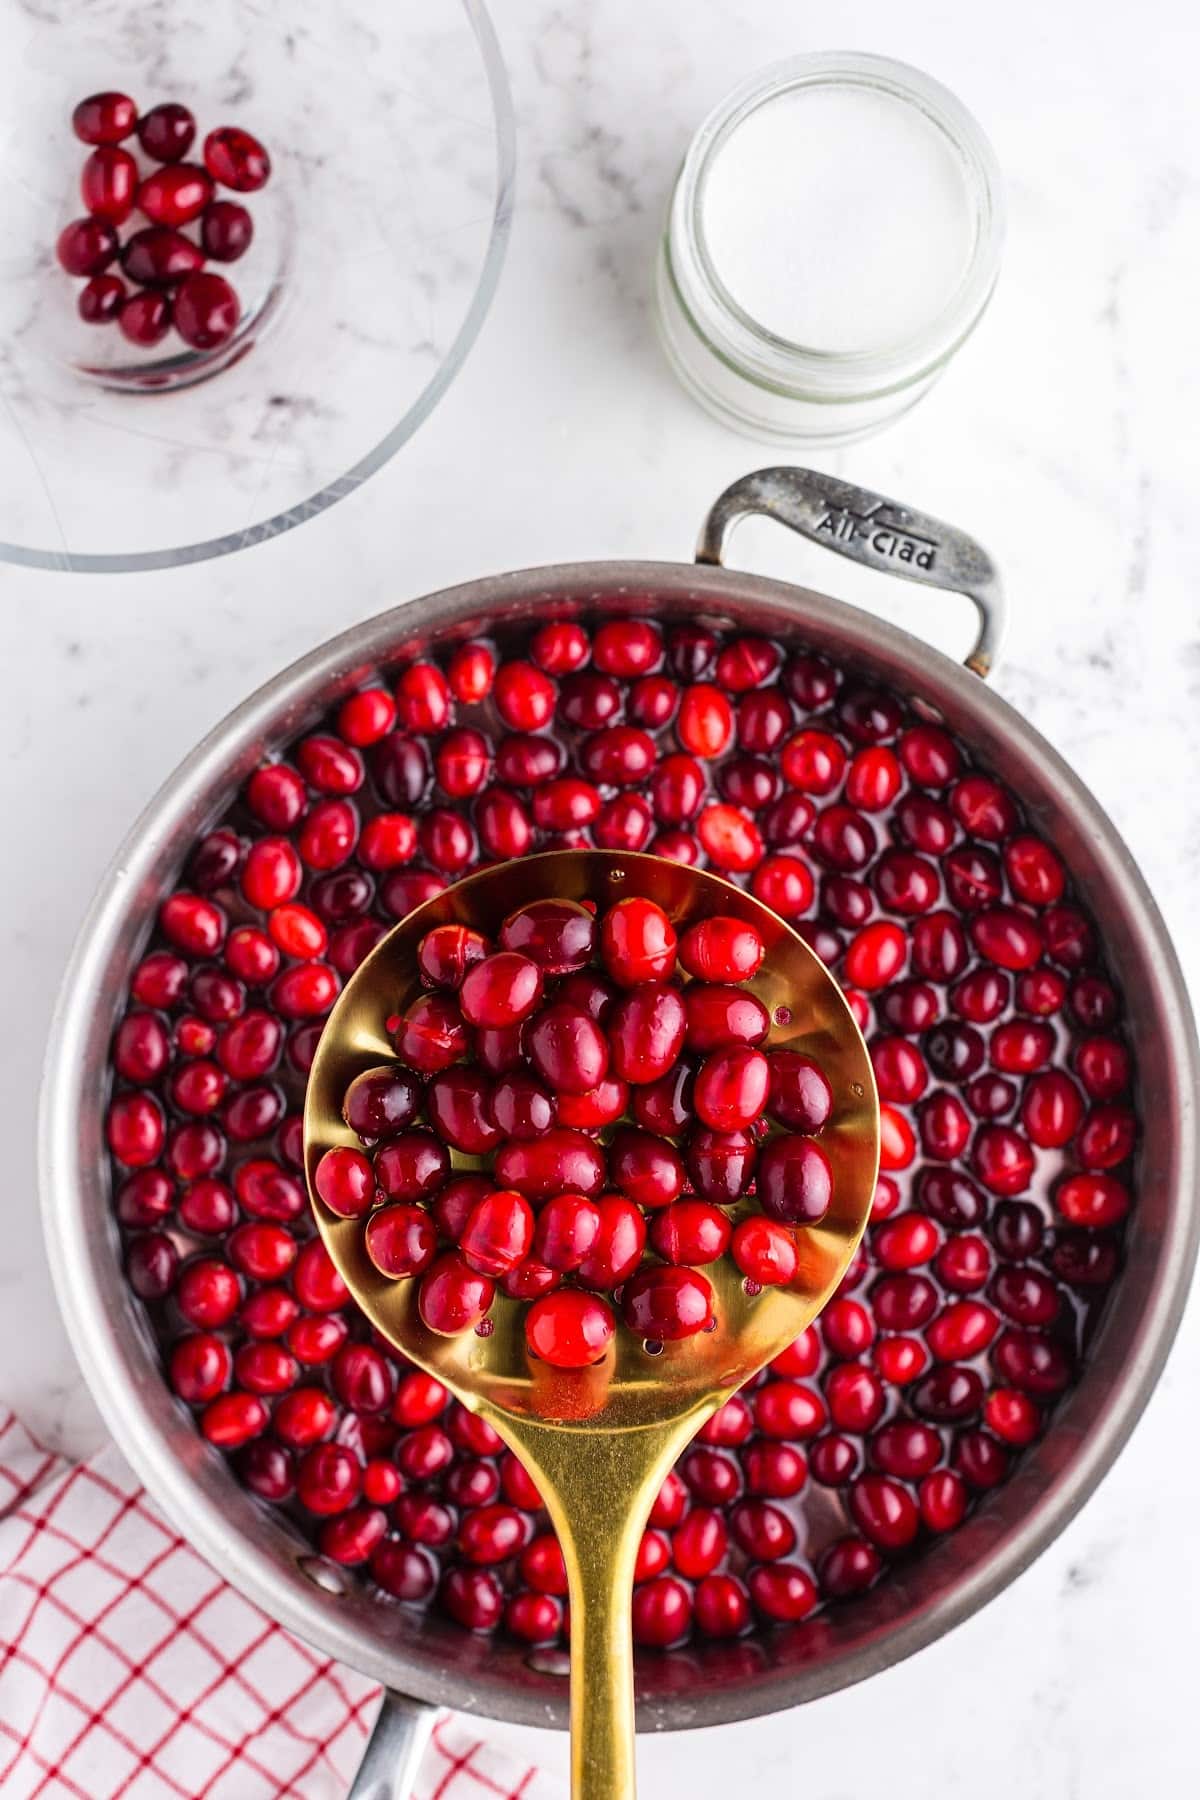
[
  {"x": 173, "y": 195},
  {"x": 200, "y": 1366},
  {"x": 226, "y": 230},
  {"x": 1093, "y": 1200},
  {"x": 166, "y": 132},
  {"x": 1017, "y": 1229},
  {"x": 800, "y": 1095},
  {"x": 432, "y": 1036},
  {"x": 381, "y": 1102},
  {"x": 855, "y": 1396},
  {"x": 150, "y": 1265},
  {"x": 1002, "y": 1159},
  {"x": 233, "y": 1419},
  {"x": 400, "y": 1240},
  {"x": 458, "y": 1105},
  {"x": 948, "y": 1395},
  {"x": 795, "y": 1182},
  {"x": 786, "y": 1409},
  {"x": 974, "y": 877},
  {"x": 498, "y": 1234},
  {"x": 848, "y": 1567},
  {"x": 556, "y": 1163},
  {"x": 705, "y": 722},
  {"x": 159, "y": 256},
  {"x": 1052, "y": 1109},
  {"x": 108, "y": 183},
  {"x": 522, "y": 1108},
  {"x": 104, "y": 118},
  {"x": 900, "y": 1072},
  {"x": 567, "y": 1229},
  {"x": 328, "y": 1480},
  {"x": 645, "y": 1033},
  {"x": 662, "y": 1612},
  {"x": 135, "y": 1129},
  {"x": 876, "y": 956},
  {"x": 719, "y": 1016},
  {"x": 206, "y": 311},
  {"x": 618, "y": 1246},
  {"x": 453, "y": 1297},
  {"x": 663, "y": 1304},
  {"x": 236, "y": 159},
  {"x": 721, "y": 1163},
  {"x": 411, "y": 1166},
  {"x": 87, "y": 246},
  {"x": 569, "y": 1329},
  {"x": 689, "y": 1233},
  {"x": 943, "y": 1500},
  {"x": 501, "y": 991}
]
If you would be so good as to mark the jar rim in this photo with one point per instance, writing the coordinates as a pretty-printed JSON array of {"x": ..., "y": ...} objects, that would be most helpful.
[{"x": 776, "y": 361}]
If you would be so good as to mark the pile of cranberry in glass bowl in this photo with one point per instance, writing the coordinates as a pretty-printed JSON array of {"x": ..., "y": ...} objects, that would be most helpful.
[
  {"x": 526, "y": 1055},
  {"x": 164, "y": 267},
  {"x": 978, "y": 979}
]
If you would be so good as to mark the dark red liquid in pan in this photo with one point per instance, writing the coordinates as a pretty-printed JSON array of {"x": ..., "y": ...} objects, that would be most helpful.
[{"x": 979, "y": 982}]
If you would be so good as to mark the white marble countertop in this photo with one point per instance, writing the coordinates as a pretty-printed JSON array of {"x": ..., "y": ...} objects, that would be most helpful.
[{"x": 1064, "y": 437}]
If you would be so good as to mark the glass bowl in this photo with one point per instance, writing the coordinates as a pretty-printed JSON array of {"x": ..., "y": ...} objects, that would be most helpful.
[{"x": 377, "y": 247}]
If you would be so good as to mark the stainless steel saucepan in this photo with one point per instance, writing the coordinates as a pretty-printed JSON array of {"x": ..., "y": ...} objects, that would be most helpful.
[{"x": 423, "y": 1662}]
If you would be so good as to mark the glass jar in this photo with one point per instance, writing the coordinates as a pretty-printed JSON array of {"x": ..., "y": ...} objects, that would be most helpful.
[{"x": 833, "y": 236}]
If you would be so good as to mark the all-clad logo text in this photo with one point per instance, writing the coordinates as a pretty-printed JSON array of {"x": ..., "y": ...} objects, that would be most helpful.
[{"x": 884, "y": 534}]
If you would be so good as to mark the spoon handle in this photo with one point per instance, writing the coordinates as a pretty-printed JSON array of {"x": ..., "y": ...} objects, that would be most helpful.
[{"x": 599, "y": 1489}]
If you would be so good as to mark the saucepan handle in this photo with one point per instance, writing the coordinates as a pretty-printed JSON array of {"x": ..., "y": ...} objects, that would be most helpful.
[
  {"x": 872, "y": 530},
  {"x": 394, "y": 1749}
]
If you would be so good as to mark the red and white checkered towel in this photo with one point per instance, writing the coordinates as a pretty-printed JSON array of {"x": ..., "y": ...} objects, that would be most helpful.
[{"x": 129, "y": 1669}]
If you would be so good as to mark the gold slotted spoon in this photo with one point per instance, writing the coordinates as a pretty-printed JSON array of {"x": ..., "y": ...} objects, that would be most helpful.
[{"x": 599, "y": 1441}]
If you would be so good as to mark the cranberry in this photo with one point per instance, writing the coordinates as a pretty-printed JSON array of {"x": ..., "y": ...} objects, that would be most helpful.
[
  {"x": 720, "y": 1016},
  {"x": 943, "y": 1500},
  {"x": 206, "y": 311},
  {"x": 87, "y": 246},
  {"x": 150, "y": 1265},
  {"x": 159, "y": 256},
  {"x": 569, "y": 1329},
  {"x": 1093, "y": 1200},
  {"x": 498, "y": 1233},
  {"x": 662, "y": 1612},
  {"x": 567, "y": 1229},
  {"x": 646, "y": 1032},
  {"x": 236, "y": 160},
  {"x": 876, "y": 956},
  {"x": 233, "y": 1419},
  {"x": 705, "y": 722},
  {"x": 850, "y": 1566},
  {"x": 380, "y": 1102},
  {"x": 501, "y": 990},
  {"x": 585, "y": 1112},
  {"x": 948, "y": 1394},
  {"x": 663, "y": 1304},
  {"x": 521, "y": 1107},
  {"x": 135, "y": 1129},
  {"x": 108, "y": 183},
  {"x": 720, "y": 1164},
  {"x": 411, "y": 1166},
  {"x": 1002, "y": 1159},
  {"x": 567, "y": 1049},
  {"x": 1102, "y": 1064},
  {"x": 689, "y": 1233},
  {"x": 974, "y": 877},
  {"x": 458, "y": 1105},
  {"x": 400, "y": 1240},
  {"x": 166, "y": 132},
  {"x": 453, "y": 1297},
  {"x": 637, "y": 943},
  {"x": 558, "y": 1162},
  {"x": 795, "y": 1182},
  {"x": 618, "y": 1245},
  {"x": 1052, "y": 1109},
  {"x": 173, "y": 195},
  {"x": 432, "y": 1036}
]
